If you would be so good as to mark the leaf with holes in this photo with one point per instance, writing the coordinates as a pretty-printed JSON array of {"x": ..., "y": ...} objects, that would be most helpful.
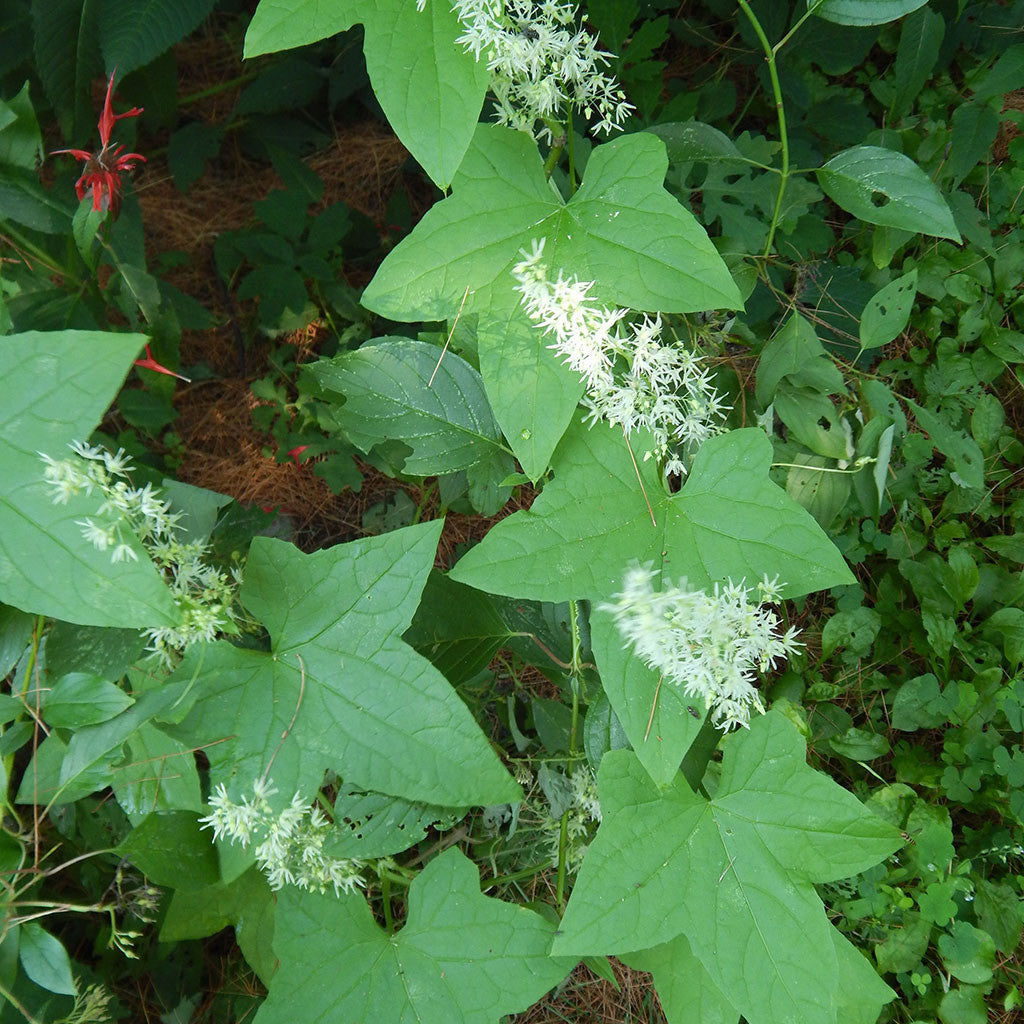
[
  {"x": 888, "y": 311},
  {"x": 593, "y": 519},
  {"x": 734, "y": 874},
  {"x": 338, "y": 688},
  {"x": 461, "y": 956},
  {"x": 881, "y": 186},
  {"x": 430, "y": 87}
]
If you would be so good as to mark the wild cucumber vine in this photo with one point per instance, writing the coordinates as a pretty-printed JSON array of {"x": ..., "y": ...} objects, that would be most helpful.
[{"x": 684, "y": 828}]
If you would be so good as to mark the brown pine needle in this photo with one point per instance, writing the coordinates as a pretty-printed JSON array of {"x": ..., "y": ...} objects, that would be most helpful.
[
  {"x": 654, "y": 704},
  {"x": 465, "y": 295},
  {"x": 636, "y": 469}
]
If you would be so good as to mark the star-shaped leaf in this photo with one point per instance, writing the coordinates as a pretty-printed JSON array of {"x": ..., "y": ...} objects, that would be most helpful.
[
  {"x": 621, "y": 229},
  {"x": 339, "y": 689},
  {"x": 592, "y": 520},
  {"x": 54, "y": 389},
  {"x": 733, "y": 874},
  {"x": 429, "y": 87},
  {"x": 460, "y": 957}
]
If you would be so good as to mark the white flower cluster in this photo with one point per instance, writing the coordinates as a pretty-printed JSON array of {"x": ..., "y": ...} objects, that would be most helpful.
[
  {"x": 291, "y": 848},
  {"x": 710, "y": 644},
  {"x": 541, "y": 63},
  {"x": 203, "y": 594},
  {"x": 634, "y": 380}
]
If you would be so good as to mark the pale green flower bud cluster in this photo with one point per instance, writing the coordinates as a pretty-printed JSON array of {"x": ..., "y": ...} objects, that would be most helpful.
[
  {"x": 584, "y": 812},
  {"x": 128, "y": 515},
  {"x": 709, "y": 644},
  {"x": 290, "y": 850},
  {"x": 634, "y": 379},
  {"x": 542, "y": 64}
]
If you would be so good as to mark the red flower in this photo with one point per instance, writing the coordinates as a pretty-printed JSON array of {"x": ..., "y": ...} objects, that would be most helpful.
[
  {"x": 149, "y": 363},
  {"x": 102, "y": 172}
]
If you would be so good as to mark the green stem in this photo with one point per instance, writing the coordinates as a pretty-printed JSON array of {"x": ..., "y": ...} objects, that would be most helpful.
[
  {"x": 572, "y": 152},
  {"x": 773, "y": 74},
  {"x": 695, "y": 763},
  {"x": 515, "y": 876},
  {"x": 428, "y": 493},
  {"x": 215, "y": 90},
  {"x": 6, "y": 993},
  {"x": 45, "y": 258},
  {"x": 575, "y": 671},
  {"x": 385, "y": 896}
]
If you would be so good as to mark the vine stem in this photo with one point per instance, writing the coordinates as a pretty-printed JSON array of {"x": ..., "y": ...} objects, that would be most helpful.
[
  {"x": 575, "y": 671},
  {"x": 773, "y": 74}
]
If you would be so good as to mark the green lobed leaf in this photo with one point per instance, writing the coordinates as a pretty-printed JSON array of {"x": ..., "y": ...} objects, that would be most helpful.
[
  {"x": 533, "y": 394},
  {"x": 685, "y": 989},
  {"x": 339, "y": 682},
  {"x": 592, "y": 520},
  {"x": 461, "y": 956},
  {"x": 733, "y": 874},
  {"x": 659, "y": 719},
  {"x": 863, "y": 12},
  {"x": 621, "y": 229},
  {"x": 399, "y": 389},
  {"x": 135, "y": 32},
  {"x": 881, "y": 186},
  {"x": 54, "y": 387},
  {"x": 888, "y": 311},
  {"x": 429, "y": 86}
]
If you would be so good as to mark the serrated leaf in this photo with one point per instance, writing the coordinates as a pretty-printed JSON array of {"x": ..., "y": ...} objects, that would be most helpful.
[
  {"x": 592, "y": 520},
  {"x": 881, "y": 186},
  {"x": 659, "y": 719},
  {"x": 430, "y": 87},
  {"x": 460, "y": 957},
  {"x": 135, "y": 32},
  {"x": 863, "y": 12},
  {"x": 888, "y": 311},
  {"x": 392, "y": 392},
  {"x": 621, "y": 230},
  {"x": 733, "y": 874},
  {"x": 363, "y": 702},
  {"x": 55, "y": 387}
]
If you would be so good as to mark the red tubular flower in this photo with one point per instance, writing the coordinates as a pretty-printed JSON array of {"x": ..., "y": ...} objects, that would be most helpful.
[
  {"x": 149, "y": 363},
  {"x": 102, "y": 172}
]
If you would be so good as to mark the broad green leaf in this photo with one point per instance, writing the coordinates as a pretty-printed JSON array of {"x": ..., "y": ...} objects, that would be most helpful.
[
  {"x": 106, "y": 652},
  {"x": 461, "y": 956},
  {"x": 659, "y": 719},
  {"x": 158, "y": 775},
  {"x": 457, "y": 628},
  {"x": 863, "y": 12},
  {"x": 733, "y": 874},
  {"x": 388, "y": 395},
  {"x": 693, "y": 140},
  {"x": 373, "y": 825},
  {"x": 920, "y": 37},
  {"x": 172, "y": 850},
  {"x": 338, "y": 688},
  {"x": 533, "y": 394},
  {"x": 881, "y": 186},
  {"x": 975, "y": 126},
  {"x": 685, "y": 989},
  {"x": 968, "y": 953},
  {"x": 796, "y": 355},
  {"x": 54, "y": 388},
  {"x": 888, "y": 311},
  {"x": 79, "y": 698},
  {"x": 430, "y": 88},
  {"x": 45, "y": 960},
  {"x": 861, "y": 993},
  {"x": 24, "y": 201},
  {"x": 621, "y": 229},
  {"x": 592, "y": 520},
  {"x": 135, "y": 32}
]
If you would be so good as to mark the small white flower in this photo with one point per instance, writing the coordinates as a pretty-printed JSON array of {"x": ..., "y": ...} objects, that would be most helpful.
[{"x": 709, "y": 644}]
